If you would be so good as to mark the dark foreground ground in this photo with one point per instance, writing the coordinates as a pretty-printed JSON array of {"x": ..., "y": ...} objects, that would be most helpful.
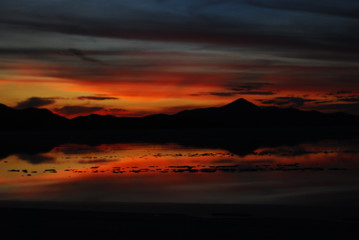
[{"x": 175, "y": 221}]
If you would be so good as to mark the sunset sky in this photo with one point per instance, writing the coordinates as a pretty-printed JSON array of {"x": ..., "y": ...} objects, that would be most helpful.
[{"x": 140, "y": 57}]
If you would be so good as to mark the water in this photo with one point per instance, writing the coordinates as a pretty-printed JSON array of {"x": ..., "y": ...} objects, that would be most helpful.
[{"x": 321, "y": 172}]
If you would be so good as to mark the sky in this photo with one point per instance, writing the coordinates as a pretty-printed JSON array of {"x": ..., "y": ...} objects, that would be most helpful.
[{"x": 135, "y": 58}]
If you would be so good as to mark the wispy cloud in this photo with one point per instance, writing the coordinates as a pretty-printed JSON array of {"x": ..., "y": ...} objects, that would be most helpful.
[
  {"x": 286, "y": 101},
  {"x": 228, "y": 94},
  {"x": 250, "y": 88},
  {"x": 80, "y": 54},
  {"x": 344, "y": 8},
  {"x": 77, "y": 110},
  {"x": 97, "y": 98}
]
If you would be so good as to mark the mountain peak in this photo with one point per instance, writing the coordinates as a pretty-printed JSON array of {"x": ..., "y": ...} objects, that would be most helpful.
[{"x": 241, "y": 104}]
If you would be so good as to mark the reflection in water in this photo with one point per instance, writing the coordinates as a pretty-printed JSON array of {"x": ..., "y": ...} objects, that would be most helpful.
[{"x": 147, "y": 172}]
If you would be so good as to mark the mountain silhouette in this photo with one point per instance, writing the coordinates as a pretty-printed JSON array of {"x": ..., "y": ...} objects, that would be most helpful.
[
  {"x": 240, "y": 105},
  {"x": 239, "y": 114},
  {"x": 30, "y": 119}
]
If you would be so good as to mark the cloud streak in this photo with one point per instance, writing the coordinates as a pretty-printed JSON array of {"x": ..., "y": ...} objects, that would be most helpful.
[
  {"x": 249, "y": 88},
  {"x": 77, "y": 110},
  {"x": 80, "y": 54},
  {"x": 96, "y": 98},
  {"x": 287, "y": 101},
  {"x": 346, "y": 8}
]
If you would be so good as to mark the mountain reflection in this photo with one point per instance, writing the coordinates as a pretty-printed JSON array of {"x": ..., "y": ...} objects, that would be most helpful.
[
  {"x": 198, "y": 168},
  {"x": 241, "y": 142}
]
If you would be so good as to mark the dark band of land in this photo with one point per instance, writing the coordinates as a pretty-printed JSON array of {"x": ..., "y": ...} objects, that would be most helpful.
[{"x": 176, "y": 221}]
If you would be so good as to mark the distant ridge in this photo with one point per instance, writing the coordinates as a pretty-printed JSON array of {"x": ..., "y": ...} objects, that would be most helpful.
[{"x": 237, "y": 114}]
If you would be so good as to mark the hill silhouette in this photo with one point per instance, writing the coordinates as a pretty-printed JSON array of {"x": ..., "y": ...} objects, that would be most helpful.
[
  {"x": 30, "y": 119},
  {"x": 237, "y": 114}
]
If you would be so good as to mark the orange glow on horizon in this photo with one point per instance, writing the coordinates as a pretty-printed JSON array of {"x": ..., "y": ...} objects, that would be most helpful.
[{"x": 167, "y": 86}]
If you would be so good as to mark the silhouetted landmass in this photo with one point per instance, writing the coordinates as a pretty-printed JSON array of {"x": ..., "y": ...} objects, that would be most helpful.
[
  {"x": 239, "y": 127},
  {"x": 30, "y": 119},
  {"x": 238, "y": 114}
]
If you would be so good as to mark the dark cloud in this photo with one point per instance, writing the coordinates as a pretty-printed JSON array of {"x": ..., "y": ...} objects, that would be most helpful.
[
  {"x": 343, "y": 92},
  {"x": 98, "y": 98},
  {"x": 220, "y": 94},
  {"x": 229, "y": 94},
  {"x": 286, "y": 101},
  {"x": 82, "y": 56},
  {"x": 340, "y": 96},
  {"x": 287, "y": 152},
  {"x": 353, "y": 99},
  {"x": 74, "y": 110},
  {"x": 96, "y": 161},
  {"x": 343, "y": 8},
  {"x": 351, "y": 108},
  {"x": 250, "y": 86},
  {"x": 29, "y": 51},
  {"x": 340, "y": 102},
  {"x": 35, "y": 102},
  {"x": 325, "y": 101},
  {"x": 256, "y": 93},
  {"x": 62, "y": 52},
  {"x": 119, "y": 112}
]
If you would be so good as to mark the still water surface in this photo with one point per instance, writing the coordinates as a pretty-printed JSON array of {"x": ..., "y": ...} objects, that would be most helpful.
[{"x": 322, "y": 172}]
